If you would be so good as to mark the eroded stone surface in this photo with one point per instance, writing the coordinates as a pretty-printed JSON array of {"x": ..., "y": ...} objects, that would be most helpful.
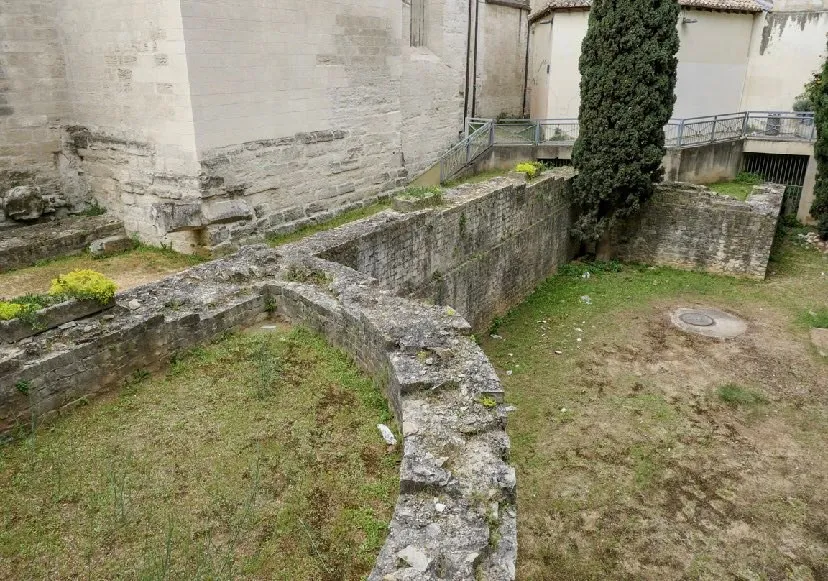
[{"x": 24, "y": 203}]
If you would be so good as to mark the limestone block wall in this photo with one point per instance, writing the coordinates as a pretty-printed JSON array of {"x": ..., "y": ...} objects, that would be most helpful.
[
  {"x": 690, "y": 227},
  {"x": 433, "y": 83},
  {"x": 502, "y": 51},
  {"x": 131, "y": 138},
  {"x": 33, "y": 94},
  {"x": 481, "y": 253}
]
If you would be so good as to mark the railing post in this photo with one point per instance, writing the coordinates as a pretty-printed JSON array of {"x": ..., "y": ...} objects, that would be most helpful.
[
  {"x": 713, "y": 131},
  {"x": 468, "y": 150},
  {"x": 745, "y": 124},
  {"x": 680, "y": 133},
  {"x": 537, "y": 132},
  {"x": 813, "y": 129},
  {"x": 492, "y": 132}
]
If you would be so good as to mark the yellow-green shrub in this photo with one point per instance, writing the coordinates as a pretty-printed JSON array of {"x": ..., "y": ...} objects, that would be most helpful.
[
  {"x": 84, "y": 285},
  {"x": 532, "y": 169},
  {"x": 9, "y": 311}
]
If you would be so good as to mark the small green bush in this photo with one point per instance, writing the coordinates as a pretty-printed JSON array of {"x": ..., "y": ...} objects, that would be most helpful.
[
  {"x": 84, "y": 285},
  {"x": 532, "y": 169},
  {"x": 9, "y": 310}
]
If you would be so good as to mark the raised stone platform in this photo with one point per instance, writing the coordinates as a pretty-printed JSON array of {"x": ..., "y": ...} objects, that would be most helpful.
[{"x": 27, "y": 245}]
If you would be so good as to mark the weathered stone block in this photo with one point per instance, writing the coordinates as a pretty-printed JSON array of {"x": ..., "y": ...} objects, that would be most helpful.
[
  {"x": 49, "y": 318},
  {"x": 227, "y": 211},
  {"x": 112, "y": 245},
  {"x": 169, "y": 217},
  {"x": 24, "y": 203}
]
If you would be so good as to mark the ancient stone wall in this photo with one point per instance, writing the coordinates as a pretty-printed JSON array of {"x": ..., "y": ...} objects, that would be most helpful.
[
  {"x": 21, "y": 247},
  {"x": 33, "y": 96},
  {"x": 690, "y": 227},
  {"x": 481, "y": 253}
]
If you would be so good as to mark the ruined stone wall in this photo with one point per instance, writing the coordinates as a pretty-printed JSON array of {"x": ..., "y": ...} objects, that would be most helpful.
[
  {"x": 690, "y": 227},
  {"x": 131, "y": 136},
  {"x": 481, "y": 253},
  {"x": 33, "y": 96}
]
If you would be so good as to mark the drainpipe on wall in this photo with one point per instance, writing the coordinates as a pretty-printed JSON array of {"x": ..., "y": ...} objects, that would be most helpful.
[{"x": 474, "y": 68}]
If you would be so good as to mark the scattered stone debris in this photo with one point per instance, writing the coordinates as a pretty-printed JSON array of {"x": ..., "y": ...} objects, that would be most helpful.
[
  {"x": 586, "y": 300},
  {"x": 813, "y": 240}
]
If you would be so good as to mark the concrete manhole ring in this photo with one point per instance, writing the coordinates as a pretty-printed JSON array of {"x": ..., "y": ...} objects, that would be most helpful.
[{"x": 708, "y": 322}]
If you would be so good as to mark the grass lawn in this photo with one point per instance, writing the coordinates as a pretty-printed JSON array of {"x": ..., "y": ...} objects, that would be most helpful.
[
  {"x": 256, "y": 457},
  {"x": 645, "y": 453},
  {"x": 130, "y": 269},
  {"x": 739, "y": 188}
]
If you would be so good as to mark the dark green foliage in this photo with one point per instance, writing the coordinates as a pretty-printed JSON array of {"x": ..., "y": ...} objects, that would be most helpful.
[
  {"x": 819, "y": 209},
  {"x": 628, "y": 79}
]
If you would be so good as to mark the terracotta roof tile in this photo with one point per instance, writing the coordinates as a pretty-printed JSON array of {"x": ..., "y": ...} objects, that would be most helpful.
[{"x": 726, "y": 5}]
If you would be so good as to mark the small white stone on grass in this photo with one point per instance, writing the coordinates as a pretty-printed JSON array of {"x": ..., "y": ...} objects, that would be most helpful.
[
  {"x": 586, "y": 300},
  {"x": 387, "y": 434}
]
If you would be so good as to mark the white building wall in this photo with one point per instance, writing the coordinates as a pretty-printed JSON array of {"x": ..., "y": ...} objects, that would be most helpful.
[
  {"x": 131, "y": 114},
  {"x": 33, "y": 95},
  {"x": 433, "y": 83},
  {"x": 712, "y": 62},
  {"x": 788, "y": 48},
  {"x": 501, "y": 63},
  {"x": 540, "y": 53}
]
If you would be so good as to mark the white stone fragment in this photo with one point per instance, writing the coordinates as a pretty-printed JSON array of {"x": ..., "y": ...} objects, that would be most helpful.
[
  {"x": 414, "y": 558},
  {"x": 387, "y": 434},
  {"x": 439, "y": 507}
]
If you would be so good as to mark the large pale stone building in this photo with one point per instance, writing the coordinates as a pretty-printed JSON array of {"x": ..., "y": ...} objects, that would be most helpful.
[
  {"x": 205, "y": 122},
  {"x": 735, "y": 55}
]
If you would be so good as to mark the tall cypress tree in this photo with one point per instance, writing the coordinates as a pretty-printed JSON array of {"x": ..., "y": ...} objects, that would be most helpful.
[
  {"x": 628, "y": 80},
  {"x": 819, "y": 97}
]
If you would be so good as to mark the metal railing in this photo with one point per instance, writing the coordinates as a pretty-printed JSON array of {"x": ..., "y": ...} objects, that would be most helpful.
[
  {"x": 479, "y": 138},
  {"x": 775, "y": 125},
  {"x": 481, "y": 134}
]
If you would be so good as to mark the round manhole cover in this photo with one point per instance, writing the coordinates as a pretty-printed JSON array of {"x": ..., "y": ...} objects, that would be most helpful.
[
  {"x": 708, "y": 322},
  {"x": 697, "y": 319}
]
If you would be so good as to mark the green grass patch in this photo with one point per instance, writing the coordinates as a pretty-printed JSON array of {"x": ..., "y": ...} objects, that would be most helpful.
[
  {"x": 817, "y": 318},
  {"x": 740, "y": 187},
  {"x": 340, "y": 220},
  {"x": 736, "y": 395},
  {"x": 476, "y": 178},
  {"x": 255, "y": 457}
]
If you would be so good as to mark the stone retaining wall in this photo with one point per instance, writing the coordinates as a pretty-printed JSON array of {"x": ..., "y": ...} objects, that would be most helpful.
[
  {"x": 26, "y": 245},
  {"x": 690, "y": 227},
  {"x": 482, "y": 252}
]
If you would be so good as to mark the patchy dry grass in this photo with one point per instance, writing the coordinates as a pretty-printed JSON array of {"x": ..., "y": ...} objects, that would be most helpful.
[
  {"x": 130, "y": 269},
  {"x": 257, "y": 457},
  {"x": 645, "y": 453}
]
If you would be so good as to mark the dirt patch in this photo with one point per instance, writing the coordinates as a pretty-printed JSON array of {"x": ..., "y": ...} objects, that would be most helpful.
[
  {"x": 128, "y": 270},
  {"x": 644, "y": 452}
]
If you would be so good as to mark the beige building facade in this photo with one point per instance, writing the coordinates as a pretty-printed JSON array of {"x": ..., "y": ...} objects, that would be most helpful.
[
  {"x": 203, "y": 123},
  {"x": 734, "y": 55}
]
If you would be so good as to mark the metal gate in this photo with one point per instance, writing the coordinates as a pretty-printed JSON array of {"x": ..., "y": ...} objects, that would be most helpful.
[{"x": 780, "y": 169}]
